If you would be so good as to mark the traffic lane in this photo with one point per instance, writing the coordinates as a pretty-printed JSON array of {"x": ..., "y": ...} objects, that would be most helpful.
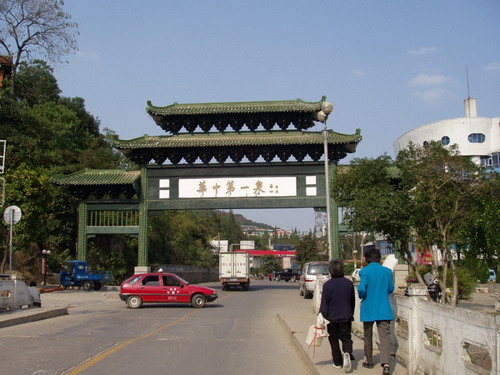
[
  {"x": 55, "y": 345},
  {"x": 243, "y": 336}
]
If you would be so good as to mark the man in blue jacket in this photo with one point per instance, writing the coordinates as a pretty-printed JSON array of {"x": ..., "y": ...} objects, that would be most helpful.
[{"x": 375, "y": 286}]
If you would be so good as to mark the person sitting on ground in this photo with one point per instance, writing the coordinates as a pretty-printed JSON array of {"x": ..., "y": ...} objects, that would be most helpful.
[{"x": 35, "y": 293}]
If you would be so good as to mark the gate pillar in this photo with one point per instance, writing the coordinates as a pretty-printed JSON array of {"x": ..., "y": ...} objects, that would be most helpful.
[
  {"x": 142, "y": 260},
  {"x": 82, "y": 231}
]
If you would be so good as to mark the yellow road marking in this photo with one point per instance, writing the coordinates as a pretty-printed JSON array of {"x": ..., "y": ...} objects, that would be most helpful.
[{"x": 114, "y": 349}]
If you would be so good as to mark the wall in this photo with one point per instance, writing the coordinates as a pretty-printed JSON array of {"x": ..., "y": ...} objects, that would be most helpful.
[
  {"x": 431, "y": 338},
  {"x": 193, "y": 274}
]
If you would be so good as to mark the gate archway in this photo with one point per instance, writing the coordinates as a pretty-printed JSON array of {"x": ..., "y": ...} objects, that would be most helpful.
[{"x": 261, "y": 156}]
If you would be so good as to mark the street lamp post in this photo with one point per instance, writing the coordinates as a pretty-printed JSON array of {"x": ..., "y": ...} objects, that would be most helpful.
[
  {"x": 322, "y": 116},
  {"x": 45, "y": 254}
]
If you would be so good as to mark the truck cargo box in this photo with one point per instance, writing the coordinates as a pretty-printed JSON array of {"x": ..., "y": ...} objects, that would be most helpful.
[{"x": 234, "y": 270}]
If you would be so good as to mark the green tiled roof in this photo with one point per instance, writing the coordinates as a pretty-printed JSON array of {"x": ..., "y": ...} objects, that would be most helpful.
[
  {"x": 235, "y": 139},
  {"x": 177, "y": 109},
  {"x": 98, "y": 177}
]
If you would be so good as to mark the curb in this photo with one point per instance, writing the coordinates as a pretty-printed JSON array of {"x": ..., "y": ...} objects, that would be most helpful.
[
  {"x": 302, "y": 353},
  {"x": 34, "y": 317}
]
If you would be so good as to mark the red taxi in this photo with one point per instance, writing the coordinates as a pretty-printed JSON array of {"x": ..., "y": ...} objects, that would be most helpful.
[{"x": 161, "y": 287}]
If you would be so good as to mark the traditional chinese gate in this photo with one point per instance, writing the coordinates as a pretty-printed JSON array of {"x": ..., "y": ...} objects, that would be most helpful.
[{"x": 253, "y": 165}]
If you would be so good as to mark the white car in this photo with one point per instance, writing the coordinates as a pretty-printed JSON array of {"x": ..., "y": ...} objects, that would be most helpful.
[{"x": 310, "y": 273}]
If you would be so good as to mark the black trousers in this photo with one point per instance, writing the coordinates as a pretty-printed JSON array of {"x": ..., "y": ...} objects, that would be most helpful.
[{"x": 339, "y": 332}]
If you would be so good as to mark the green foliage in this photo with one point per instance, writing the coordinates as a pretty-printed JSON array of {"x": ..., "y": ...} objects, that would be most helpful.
[
  {"x": 348, "y": 268},
  {"x": 466, "y": 282},
  {"x": 481, "y": 234},
  {"x": 36, "y": 84},
  {"x": 478, "y": 269},
  {"x": 371, "y": 190},
  {"x": 269, "y": 264},
  {"x": 46, "y": 135},
  {"x": 101, "y": 259},
  {"x": 307, "y": 250},
  {"x": 183, "y": 237}
]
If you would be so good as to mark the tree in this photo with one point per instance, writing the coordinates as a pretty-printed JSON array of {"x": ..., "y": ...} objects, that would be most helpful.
[
  {"x": 481, "y": 235},
  {"x": 46, "y": 135},
  {"x": 443, "y": 185},
  {"x": 308, "y": 250},
  {"x": 375, "y": 201},
  {"x": 36, "y": 83},
  {"x": 31, "y": 28},
  {"x": 270, "y": 264}
]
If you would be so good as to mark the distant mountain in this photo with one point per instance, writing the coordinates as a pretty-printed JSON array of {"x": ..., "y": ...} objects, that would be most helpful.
[{"x": 244, "y": 221}]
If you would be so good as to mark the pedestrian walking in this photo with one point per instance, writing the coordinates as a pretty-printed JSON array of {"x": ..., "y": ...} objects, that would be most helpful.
[
  {"x": 375, "y": 286},
  {"x": 337, "y": 306}
]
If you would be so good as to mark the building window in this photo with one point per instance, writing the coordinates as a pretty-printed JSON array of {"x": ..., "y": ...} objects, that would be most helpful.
[
  {"x": 495, "y": 158},
  {"x": 476, "y": 138},
  {"x": 445, "y": 140}
]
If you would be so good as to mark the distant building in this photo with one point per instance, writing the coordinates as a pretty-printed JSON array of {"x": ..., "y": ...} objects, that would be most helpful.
[
  {"x": 286, "y": 258},
  {"x": 476, "y": 137}
]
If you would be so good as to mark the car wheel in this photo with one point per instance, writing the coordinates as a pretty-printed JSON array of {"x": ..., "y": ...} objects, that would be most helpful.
[
  {"x": 308, "y": 295},
  {"x": 87, "y": 285},
  {"x": 134, "y": 302},
  {"x": 198, "y": 300}
]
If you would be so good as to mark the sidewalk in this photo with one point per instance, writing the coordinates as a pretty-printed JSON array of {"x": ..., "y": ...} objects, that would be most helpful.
[
  {"x": 56, "y": 303},
  {"x": 297, "y": 320}
]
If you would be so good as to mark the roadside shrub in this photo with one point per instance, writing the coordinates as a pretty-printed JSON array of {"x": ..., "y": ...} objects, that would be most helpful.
[{"x": 348, "y": 268}]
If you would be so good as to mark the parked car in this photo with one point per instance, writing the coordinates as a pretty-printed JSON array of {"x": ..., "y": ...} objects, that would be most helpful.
[
  {"x": 161, "y": 287},
  {"x": 310, "y": 272},
  {"x": 493, "y": 275}
]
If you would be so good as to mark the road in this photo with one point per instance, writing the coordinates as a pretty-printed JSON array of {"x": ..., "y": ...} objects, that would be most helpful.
[{"x": 238, "y": 333}]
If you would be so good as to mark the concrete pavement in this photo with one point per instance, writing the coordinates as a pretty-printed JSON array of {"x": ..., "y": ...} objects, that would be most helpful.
[{"x": 295, "y": 319}]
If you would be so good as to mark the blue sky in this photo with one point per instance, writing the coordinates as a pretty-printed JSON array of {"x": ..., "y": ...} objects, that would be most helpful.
[{"x": 387, "y": 66}]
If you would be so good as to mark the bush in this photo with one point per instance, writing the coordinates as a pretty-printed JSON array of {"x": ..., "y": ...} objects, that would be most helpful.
[
  {"x": 466, "y": 282},
  {"x": 348, "y": 268},
  {"x": 478, "y": 270}
]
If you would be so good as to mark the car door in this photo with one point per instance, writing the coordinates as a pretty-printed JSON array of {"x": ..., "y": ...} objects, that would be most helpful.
[
  {"x": 174, "y": 289},
  {"x": 151, "y": 289}
]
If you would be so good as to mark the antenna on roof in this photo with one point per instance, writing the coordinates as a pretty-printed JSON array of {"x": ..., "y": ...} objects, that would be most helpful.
[{"x": 467, "y": 73}]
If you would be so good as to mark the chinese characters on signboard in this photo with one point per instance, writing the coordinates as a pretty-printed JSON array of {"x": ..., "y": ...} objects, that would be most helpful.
[{"x": 238, "y": 187}]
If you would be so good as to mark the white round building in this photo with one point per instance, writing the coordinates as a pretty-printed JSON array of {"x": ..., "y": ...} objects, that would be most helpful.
[{"x": 476, "y": 137}]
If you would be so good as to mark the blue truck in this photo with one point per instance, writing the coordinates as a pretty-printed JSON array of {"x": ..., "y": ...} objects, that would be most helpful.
[{"x": 77, "y": 273}]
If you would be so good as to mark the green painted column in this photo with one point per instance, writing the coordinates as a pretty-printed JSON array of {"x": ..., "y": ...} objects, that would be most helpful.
[
  {"x": 142, "y": 260},
  {"x": 82, "y": 231},
  {"x": 334, "y": 217}
]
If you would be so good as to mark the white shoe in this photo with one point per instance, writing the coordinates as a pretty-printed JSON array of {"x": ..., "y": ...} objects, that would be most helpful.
[
  {"x": 334, "y": 365},
  {"x": 347, "y": 362}
]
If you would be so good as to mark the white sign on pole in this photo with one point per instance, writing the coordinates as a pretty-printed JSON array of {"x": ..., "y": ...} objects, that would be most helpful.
[{"x": 12, "y": 215}]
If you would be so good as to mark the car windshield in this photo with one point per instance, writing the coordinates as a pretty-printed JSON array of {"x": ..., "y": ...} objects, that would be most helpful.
[
  {"x": 315, "y": 269},
  {"x": 184, "y": 281}
]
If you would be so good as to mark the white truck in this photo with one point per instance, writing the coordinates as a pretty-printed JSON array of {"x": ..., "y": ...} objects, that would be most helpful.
[{"x": 234, "y": 270}]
